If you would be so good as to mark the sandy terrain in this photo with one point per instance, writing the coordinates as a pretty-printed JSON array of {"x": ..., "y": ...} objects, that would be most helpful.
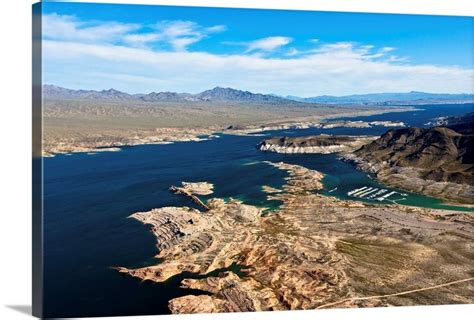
[
  {"x": 314, "y": 252},
  {"x": 79, "y": 126}
]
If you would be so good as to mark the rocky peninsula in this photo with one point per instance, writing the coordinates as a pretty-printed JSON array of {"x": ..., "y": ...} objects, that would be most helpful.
[
  {"x": 436, "y": 161},
  {"x": 323, "y": 144},
  {"x": 323, "y": 123},
  {"x": 361, "y": 124},
  {"x": 313, "y": 252},
  {"x": 199, "y": 188}
]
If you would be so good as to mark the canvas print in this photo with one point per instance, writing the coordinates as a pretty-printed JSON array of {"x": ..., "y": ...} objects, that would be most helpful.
[{"x": 200, "y": 160}]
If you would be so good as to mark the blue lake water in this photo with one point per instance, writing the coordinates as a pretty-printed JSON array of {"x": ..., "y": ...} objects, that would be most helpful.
[{"x": 87, "y": 199}]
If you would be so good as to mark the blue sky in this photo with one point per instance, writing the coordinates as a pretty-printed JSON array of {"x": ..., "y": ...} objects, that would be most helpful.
[{"x": 156, "y": 48}]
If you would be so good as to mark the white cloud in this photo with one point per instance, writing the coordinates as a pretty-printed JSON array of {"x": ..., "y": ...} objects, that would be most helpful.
[
  {"x": 180, "y": 44},
  {"x": 64, "y": 27},
  {"x": 181, "y": 34},
  {"x": 263, "y": 45},
  {"x": 292, "y": 52},
  {"x": 144, "y": 58},
  {"x": 386, "y": 49},
  {"x": 141, "y": 39},
  {"x": 393, "y": 58},
  {"x": 338, "y": 69},
  {"x": 267, "y": 44},
  {"x": 174, "y": 29},
  {"x": 217, "y": 28},
  {"x": 337, "y": 46},
  {"x": 176, "y": 33}
]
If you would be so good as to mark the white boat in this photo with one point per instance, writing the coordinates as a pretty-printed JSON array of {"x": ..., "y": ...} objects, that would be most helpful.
[
  {"x": 358, "y": 194},
  {"x": 350, "y": 193},
  {"x": 365, "y": 194},
  {"x": 378, "y": 193},
  {"x": 381, "y": 191},
  {"x": 382, "y": 198}
]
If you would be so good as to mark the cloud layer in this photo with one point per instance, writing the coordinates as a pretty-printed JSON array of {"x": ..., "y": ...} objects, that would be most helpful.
[{"x": 160, "y": 57}]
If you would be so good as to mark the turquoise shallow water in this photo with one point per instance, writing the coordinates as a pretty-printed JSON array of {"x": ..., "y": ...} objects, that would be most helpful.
[{"x": 87, "y": 199}]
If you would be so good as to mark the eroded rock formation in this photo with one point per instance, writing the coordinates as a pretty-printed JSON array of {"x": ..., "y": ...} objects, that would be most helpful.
[
  {"x": 435, "y": 161},
  {"x": 314, "y": 144},
  {"x": 314, "y": 251}
]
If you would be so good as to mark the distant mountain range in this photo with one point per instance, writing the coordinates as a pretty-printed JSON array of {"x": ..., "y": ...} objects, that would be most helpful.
[
  {"x": 217, "y": 94},
  {"x": 413, "y": 97},
  {"x": 220, "y": 94}
]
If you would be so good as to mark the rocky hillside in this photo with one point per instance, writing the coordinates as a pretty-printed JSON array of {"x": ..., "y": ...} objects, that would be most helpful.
[
  {"x": 55, "y": 92},
  {"x": 464, "y": 124},
  {"x": 314, "y": 144},
  {"x": 229, "y": 94},
  {"x": 217, "y": 94},
  {"x": 439, "y": 153}
]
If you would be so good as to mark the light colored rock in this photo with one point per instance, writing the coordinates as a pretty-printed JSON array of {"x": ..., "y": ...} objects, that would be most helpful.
[
  {"x": 200, "y": 188},
  {"x": 322, "y": 144},
  {"x": 315, "y": 250}
]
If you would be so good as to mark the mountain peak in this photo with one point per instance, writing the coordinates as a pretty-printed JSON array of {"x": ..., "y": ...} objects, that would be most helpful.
[
  {"x": 222, "y": 94},
  {"x": 111, "y": 90},
  {"x": 231, "y": 94}
]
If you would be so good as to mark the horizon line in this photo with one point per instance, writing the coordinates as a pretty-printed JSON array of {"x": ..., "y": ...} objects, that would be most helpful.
[{"x": 268, "y": 94}]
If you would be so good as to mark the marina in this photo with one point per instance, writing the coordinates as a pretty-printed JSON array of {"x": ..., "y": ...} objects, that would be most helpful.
[{"x": 373, "y": 193}]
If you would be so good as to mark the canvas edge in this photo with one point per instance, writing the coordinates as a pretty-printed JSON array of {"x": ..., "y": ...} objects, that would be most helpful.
[{"x": 37, "y": 164}]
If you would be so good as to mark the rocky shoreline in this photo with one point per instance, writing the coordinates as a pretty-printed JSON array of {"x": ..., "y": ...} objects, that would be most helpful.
[
  {"x": 314, "y": 251},
  {"x": 95, "y": 143},
  {"x": 245, "y": 130},
  {"x": 435, "y": 161},
  {"x": 409, "y": 178},
  {"x": 322, "y": 144},
  {"x": 66, "y": 143}
]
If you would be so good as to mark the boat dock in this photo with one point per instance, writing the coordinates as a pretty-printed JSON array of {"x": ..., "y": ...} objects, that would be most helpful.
[
  {"x": 386, "y": 196},
  {"x": 371, "y": 193}
]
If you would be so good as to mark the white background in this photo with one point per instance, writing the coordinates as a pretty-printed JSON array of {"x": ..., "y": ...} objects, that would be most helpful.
[{"x": 15, "y": 158}]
